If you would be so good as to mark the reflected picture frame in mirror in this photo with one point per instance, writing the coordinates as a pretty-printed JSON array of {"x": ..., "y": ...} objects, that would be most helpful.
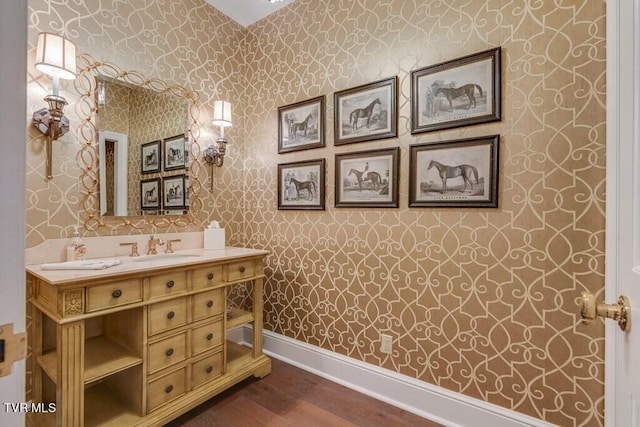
[{"x": 88, "y": 109}]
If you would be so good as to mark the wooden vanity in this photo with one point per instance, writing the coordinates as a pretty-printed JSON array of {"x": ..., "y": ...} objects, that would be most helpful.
[{"x": 143, "y": 342}]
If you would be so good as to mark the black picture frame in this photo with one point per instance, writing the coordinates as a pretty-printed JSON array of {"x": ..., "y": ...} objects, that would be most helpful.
[
  {"x": 368, "y": 179},
  {"x": 150, "y": 194},
  {"x": 301, "y": 126},
  {"x": 174, "y": 151},
  {"x": 366, "y": 113},
  {"x": 461, "y": 92},
  {"x": 301, "y": 185},
  {"x": 173, "y": 192},
  {"x": 151, "y": 157},
  {"x": 474, "y": 161}
]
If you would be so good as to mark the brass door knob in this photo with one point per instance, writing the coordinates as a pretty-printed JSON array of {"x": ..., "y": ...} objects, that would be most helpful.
[{"x": 620, "y": 312}]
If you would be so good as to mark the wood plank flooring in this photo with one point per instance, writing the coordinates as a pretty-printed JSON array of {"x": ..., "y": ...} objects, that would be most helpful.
[{"x": 289, "y": 397}]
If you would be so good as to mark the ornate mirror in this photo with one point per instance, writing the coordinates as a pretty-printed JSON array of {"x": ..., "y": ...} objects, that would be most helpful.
[{"x": 139, "y": 155}]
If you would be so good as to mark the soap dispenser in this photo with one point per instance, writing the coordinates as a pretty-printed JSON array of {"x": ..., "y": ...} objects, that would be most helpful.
[{"x": 76, "y": 249}]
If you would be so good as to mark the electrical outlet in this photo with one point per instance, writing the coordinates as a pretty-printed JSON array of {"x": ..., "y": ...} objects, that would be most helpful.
[{"x": 386, "y": 342}]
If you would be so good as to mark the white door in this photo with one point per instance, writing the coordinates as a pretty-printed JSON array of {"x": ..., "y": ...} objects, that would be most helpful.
[
  {"x": 622, "y": 358},
  {"x": 13, "y": 105}
]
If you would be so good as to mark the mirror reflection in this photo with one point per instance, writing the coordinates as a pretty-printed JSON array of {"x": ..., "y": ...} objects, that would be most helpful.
[{"x": 143, "y": 150}]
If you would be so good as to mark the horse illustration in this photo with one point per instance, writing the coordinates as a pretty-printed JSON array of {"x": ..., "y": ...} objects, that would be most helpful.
[
  {"x": 175, "y": 156},
  {"x": 299, "y": 127},
  {"x": 372, "y": 176},
  {"x": 447, "y": 172},
  {"x": 452, "y": 93},
  {"x": 149, "y": 196},
  {"x": 151, "y": 158},
  {"x": 310, "y": 186},
  {"x": 363, "y": 113}
]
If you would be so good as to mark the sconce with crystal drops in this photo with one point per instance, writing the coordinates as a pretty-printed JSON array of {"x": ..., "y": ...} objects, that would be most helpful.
[
  {"x": 56, "y": 57},
  {"x": 214, "y": 154}
]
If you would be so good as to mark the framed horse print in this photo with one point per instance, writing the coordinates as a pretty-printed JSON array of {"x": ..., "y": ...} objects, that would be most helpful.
[
  {"x": 301, "y": 125},
  {"x": 462, "y": 92},
  {"x": 301, "y": 185},
  {"x": 367, "y": 179},
  {"x": 150, "y": 157},
  {"x": 175, "y": 155},
  {"x": 458, "y": 173},
  {"x": 366, "y": 113},
  {"x": 150, "y": 194},
  {"x": 173, "y": 191}
]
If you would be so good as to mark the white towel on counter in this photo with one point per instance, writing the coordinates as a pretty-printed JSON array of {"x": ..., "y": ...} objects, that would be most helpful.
[{"x": 87, "y": 264}]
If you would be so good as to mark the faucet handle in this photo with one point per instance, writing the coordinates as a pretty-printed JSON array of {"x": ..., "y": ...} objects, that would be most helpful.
[
  {"x": 169, "y": 247},
  {"x": 134, "y": 248}
]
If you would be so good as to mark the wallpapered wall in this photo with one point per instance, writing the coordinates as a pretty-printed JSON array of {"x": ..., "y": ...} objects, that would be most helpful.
[{"x": 479, "y": 301}]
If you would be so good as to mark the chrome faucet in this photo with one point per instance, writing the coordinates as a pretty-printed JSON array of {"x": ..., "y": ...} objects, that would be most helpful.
[{"x": 153, "y": 243}]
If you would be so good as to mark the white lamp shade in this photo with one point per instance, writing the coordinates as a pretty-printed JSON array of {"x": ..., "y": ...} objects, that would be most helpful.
[
  {"x": 222, "y": 113},
  {"x": 56, "y": 56}
]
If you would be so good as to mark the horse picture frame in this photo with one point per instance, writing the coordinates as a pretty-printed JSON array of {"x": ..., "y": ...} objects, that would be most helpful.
[
  {"x": 456, "y": 173},
  {"x": 368, "y": 179},
  {"x": 175, "y": 155},
  {"x": 462, "y": 92},
  {"x": 366, "y": 113},
  {"x": 150, "y": 194},
  {"x": 301, "y": 126},
  {"x": 150, "y": 157},
  {"x": 173, "y": 191},
  {"x": 301, "y": 185}
]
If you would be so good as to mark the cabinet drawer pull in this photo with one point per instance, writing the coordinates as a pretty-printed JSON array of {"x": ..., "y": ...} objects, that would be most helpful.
[
  {"x": 210, "y": 276},
  {"x": 169, "y": 389},
  {"x": 170, "y": 284},
  {"x": 209, "y": 303},
  {"x": 242, "y": 269},
  {"x": 209, "y": 369},
  {"x": 117, "y": 293},
  {"x": 170, "y": 315},
  {"x": 209, "y": 336},
  {"x": 169, "y": 352}
]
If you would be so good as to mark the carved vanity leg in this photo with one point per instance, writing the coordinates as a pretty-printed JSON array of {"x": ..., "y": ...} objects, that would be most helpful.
[
  {"x": 258, "y": 307},
  {"x": 70, "y": 386}
]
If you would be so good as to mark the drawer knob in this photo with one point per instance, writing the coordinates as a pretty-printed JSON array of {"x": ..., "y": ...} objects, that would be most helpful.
[
  {"x": 169, "y": 352},
  {"x": 117, "y": 293},
  {"x": 169, "y": 389},
  {"x": 209, "y": 369},
  {"x": 170, "y": 315},
  {"x": 209, "y": 336},
  {"x": 209, "y": 303},
  {"x": 242, "y": 269},
  {"x": 210, "y": 276},
  {"x": 170, "y": 284}
]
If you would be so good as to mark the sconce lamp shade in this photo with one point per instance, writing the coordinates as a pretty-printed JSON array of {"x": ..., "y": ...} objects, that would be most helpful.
[
  {"x": 56, "y": 56},
  {"x": 222, "y": 113}
]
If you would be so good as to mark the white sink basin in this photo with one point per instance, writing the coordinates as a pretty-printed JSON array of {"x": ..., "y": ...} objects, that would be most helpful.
[{"x": 163, "y": 257}]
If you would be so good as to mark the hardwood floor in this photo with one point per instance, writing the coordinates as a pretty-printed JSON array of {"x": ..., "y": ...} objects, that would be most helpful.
[{"x": 290, "y": 396}]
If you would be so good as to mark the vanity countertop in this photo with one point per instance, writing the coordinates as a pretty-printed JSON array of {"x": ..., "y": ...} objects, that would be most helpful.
[{"x": 142, "y": 264}]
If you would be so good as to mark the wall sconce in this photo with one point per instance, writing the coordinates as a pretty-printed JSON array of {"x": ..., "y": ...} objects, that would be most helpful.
[
  {"x": 56, "y": 57},
  {"x": 214, "y": 154}
]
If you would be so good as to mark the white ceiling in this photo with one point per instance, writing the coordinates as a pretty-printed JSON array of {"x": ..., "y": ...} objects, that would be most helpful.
[{"x": 246, "y": 12}]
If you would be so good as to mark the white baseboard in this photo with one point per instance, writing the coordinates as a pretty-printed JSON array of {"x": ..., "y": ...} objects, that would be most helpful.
[{"x": 426, "y": 400}]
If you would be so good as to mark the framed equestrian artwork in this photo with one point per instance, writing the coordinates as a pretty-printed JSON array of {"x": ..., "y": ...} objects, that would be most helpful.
[
  {"x": 301, "y": 125},
  {"x": 367, "y": 179},
  {"x": 173, "y": 191},
  {"x": 175, "y": 155},
  {"x": 301, "y": 185},
  {"x": 462, "y": 92},
  {"x": 459, "y": 173},
  {"x": 150, "y": 194},
  {"x": 150, "y": 157},
  {"x": 366, "y": 113}
]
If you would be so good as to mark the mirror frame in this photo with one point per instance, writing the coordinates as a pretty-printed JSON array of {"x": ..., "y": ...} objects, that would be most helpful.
[{"x": 86, "y": 84}]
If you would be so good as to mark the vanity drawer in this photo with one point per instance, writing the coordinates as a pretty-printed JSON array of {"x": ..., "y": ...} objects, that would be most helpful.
[
  {"x": 113, "y": 294},
  {"x": 167, "y": 315},
  {"x": 207, "y": 276},
  {"x": 167, "y": 284},
  {"x": 240, "y": 270},
  {"x": 207, "y": 369},
  {"x": 166, "y": 388},
  {"x": 167, "y": 352},
  {"x": 206, "y": 337},
  {"x": 208, "y": 304}
]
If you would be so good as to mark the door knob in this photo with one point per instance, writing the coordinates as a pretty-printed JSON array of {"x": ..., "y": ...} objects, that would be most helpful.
[{"x": 620, "y": 311}]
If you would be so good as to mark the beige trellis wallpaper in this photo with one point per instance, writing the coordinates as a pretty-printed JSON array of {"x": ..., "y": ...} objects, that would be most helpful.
[{"x": 479, "y": 301}]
